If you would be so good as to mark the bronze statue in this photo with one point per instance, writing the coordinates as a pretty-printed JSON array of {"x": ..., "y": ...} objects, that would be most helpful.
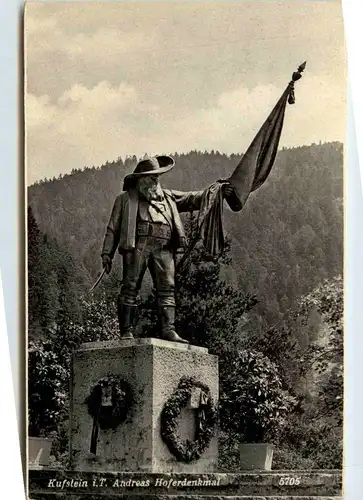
[{"x": 146, "y": 228}]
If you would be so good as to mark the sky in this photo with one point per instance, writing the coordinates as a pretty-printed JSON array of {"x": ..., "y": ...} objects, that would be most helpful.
[{"x": 106, "y": 80}]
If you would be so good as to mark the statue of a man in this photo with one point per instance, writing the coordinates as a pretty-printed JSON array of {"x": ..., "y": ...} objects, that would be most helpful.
[{"x": 146, "y": 227}]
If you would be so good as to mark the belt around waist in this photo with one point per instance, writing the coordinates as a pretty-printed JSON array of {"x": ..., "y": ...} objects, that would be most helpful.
[{"x": 156, "y": 230}]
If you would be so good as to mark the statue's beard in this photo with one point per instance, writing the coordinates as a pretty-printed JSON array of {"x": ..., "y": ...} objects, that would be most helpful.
[{"x": 151, "y": 192}]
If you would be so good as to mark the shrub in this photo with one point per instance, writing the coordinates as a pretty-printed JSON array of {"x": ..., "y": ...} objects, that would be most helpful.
[{"x": 253, "y": 403}]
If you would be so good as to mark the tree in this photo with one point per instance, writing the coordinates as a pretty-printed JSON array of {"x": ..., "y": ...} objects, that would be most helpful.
[
  {"x": 315, "y": 429},
  {"x": 280, "y": 345},
  {"x": 325, "y": 355},
  {"x": 48, "y": 376},
  {"x": 33, "y": 262},
  {"x": 54, "y": 283},
  {"x": 43, "y": 290}
]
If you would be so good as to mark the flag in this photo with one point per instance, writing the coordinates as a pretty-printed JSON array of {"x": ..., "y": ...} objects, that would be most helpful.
[
  {"x": 257, "y": 162},
  {"x": 250, "y": 174}
]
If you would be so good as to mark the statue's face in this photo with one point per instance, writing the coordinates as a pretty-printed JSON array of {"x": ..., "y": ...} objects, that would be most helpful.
[
  {"x": 149, "y": 186},
  {"x": 148, "y": 181}
]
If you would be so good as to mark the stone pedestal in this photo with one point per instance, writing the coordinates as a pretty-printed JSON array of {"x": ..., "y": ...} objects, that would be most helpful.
[{"x": 153, "y": 369}]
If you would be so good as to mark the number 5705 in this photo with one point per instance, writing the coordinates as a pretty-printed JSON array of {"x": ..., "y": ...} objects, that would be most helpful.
[{"x": 289, "y": 481}]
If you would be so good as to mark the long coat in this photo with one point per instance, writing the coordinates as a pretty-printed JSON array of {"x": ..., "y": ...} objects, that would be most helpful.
[{"x": 121, "y": 229}]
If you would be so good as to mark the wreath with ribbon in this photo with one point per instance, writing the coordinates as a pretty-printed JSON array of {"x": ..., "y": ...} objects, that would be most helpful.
[
  {"x": 206, "y": 415},
  {"x": 108, "y": 403}
]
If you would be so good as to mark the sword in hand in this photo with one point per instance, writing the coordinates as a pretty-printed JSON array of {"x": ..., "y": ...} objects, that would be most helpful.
[
  {"x": 97, "y": 282},
  {"x": 107, "y": 265}
]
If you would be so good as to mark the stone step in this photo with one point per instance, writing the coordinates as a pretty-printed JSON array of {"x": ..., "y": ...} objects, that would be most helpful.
[
  {"x": 67, "y": 496},
  {"x": 287, "y": 485}
]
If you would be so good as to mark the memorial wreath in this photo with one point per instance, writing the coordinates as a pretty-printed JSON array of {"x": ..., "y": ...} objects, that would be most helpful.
[
  {"x": 109, "y": 402},
  {"x": 206, "y": 414}
]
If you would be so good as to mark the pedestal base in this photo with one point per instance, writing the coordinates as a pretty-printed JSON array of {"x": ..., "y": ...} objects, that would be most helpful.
[{"x": 153, "y": 369}]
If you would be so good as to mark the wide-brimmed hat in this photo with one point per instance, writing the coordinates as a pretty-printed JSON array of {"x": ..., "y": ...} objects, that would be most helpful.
[{"x": 155, "y": 165}]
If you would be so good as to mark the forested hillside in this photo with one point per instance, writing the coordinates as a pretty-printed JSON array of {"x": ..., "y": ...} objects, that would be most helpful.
[
  {"x": 287, "y": 239},
  {"x": 55, "y": 283}
]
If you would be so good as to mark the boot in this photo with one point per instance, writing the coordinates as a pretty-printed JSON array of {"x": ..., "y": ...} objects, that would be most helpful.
[
  {"x": 167, "y": 319},
  {"x": 126, "y": 316}
]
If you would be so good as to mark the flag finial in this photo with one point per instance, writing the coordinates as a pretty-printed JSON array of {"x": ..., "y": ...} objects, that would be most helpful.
[{"x": 295, "y": 77}]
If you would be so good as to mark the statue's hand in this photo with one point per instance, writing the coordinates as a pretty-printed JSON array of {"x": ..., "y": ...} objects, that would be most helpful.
[
  {"x": 107, "y": 263},
  {"x": 227, "y": 190}
]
